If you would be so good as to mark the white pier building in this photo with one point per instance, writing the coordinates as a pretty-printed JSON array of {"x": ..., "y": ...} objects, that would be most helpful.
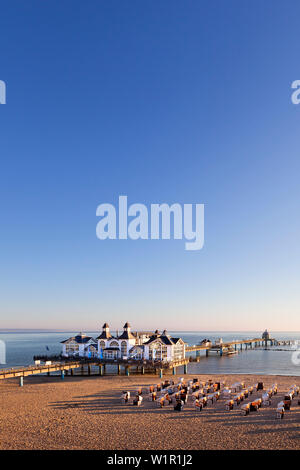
[{"x": 129, "y": 345}]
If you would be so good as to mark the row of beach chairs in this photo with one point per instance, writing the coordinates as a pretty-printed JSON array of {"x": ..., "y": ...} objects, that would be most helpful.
[
  {"x": 286, "y": 403},
  {"x": 167, "y": 393},
  {"x": 239, "y": 387},
  {"x": 244, "y": 393},
  {"x": 266, "y": 397},
  {"x": 204, "y": 393}
]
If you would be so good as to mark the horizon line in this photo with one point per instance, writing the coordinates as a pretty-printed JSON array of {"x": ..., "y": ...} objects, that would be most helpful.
[{"x": 65, "y": 330}]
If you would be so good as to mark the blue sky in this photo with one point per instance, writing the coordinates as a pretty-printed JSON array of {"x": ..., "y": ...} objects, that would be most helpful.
[{"x": 169, "y": 101}]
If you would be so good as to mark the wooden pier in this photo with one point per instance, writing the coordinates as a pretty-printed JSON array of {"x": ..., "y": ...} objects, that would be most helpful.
[
  {"x": 85, "y": 368},
  {"x": 130, "y": 366},
  {"x": 40, "y": 369},
  {"x": 232, "y": 346}
]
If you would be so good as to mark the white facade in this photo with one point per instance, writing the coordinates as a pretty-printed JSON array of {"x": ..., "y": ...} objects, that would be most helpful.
[
  {"x": 160, "y": 348},
  {"x": 79, "y": 345},
  {"x": 115, "y": 347},
  {"x": 138, "y": 346}
]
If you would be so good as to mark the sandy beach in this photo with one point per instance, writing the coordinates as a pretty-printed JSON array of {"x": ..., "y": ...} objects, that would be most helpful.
[{"x": 86, "y": 413}]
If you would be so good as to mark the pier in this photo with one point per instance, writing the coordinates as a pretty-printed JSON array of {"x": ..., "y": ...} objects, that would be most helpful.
[
  {"x": 86, "y": 366},
  {"x": 232, "y": 346},
  {"x": 22, "y": 372}
]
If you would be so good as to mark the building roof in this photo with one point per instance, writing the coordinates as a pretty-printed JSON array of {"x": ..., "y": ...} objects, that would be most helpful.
[
  {"x": 141, "y": 346},
  {"x": 175, "y": 340},
  {"x": 127, "y": 325},
  {"x": 167, "y": 340},
  {"x": 105, "y": 325},
  {"x": 111, "y": 349},
  {"x": 105, "y": 335},
  {"x": 80, "y": 339},
  {"x": 94, "y": 345},
  {"x": 126, "y": 335}
]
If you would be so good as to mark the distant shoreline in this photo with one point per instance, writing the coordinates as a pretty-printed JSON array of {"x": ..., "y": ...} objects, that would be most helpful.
[{"x": 37, "y": 330}]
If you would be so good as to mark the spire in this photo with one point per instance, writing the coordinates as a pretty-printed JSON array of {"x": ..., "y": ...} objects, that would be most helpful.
[{"x": 105, "y": 332}]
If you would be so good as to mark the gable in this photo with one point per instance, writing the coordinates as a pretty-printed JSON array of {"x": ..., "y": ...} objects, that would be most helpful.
[
  {"x": 137, "y": 347},
  {"x": 156, "y": 341},
  {"x": 177, "y": 341},
  {"x": 70, "y": 341}
]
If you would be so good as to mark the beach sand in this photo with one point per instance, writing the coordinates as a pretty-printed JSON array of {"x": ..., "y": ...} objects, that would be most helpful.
[{"x": 86, "y": 413}]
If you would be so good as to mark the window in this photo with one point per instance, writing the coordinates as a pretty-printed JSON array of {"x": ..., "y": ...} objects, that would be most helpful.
[
  {"x": 102, "y": 344},
  {"x": 155, "y": 352},
  {"x": 72, "y": 348},
  {"x": 178, "y": 351},
  {"x": 123, "y": 348},
  {"x": 91, "y": 351},
  {"x": 137, "y": 354},
  {"x": 111, "y": 354},
  {"x": 114, "y": 344}
]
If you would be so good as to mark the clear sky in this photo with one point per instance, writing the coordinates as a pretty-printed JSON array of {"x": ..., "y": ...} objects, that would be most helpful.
[{"x": 163, "y": 101}]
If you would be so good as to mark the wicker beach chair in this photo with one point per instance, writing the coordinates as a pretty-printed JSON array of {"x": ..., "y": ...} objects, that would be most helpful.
[
  {"x": 229, "y": 405},
  {"x": 280, "y": 410},
  {"x": 179, "y": 405},
  {"x": 245, "y": 409},
  {"x": 198, "y": 405}
]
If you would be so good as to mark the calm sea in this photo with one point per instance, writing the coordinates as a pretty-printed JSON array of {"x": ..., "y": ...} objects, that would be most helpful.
[{"x": 21, "y": 347}]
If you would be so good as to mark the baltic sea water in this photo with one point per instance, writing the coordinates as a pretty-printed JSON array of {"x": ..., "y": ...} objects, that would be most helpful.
[{"x": 22, "y": 346}]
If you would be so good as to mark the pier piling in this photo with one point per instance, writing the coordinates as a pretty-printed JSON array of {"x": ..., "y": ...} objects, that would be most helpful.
[{"x": 21, "y": 381}]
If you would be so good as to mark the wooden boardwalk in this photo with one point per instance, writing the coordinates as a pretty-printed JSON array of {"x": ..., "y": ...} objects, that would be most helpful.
[
  {"x": 141, "y": 367},
  {"x": 40, "y": 369},
  {"x": 247, "y": 342}
]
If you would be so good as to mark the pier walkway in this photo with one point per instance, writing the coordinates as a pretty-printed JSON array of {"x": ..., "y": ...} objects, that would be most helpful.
[
  {"x": 37, "y": 369},
  {"x": 232, "y": 345},
  {"x": 128, "y": 366},
  {"x": 85, "y": 368}
]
